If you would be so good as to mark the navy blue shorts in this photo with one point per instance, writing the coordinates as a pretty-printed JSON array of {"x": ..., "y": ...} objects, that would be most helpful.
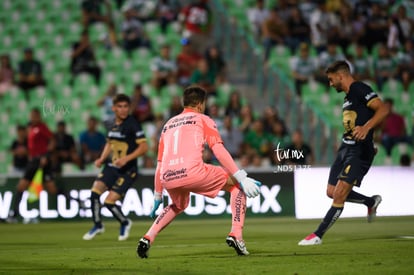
[
  {"x": 116, "y": 180},
  {"x": 352, "y": 163}
]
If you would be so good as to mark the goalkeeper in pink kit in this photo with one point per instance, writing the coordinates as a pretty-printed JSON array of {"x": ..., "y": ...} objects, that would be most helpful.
[{"x": 181, "y": 170}]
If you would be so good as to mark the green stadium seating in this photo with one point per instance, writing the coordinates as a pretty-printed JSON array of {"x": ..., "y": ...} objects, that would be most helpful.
[
  {"x": 223, "y": 94},
  {"x": 381, "y": 156},
  {"x": 279, "y": 58},
  {"x": 51, "y": 27}
]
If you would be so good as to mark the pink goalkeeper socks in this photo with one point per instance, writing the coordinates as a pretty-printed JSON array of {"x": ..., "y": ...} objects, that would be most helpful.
[
  {"x": 167, "y": 215},
  {"x": 238, "y": 212}
]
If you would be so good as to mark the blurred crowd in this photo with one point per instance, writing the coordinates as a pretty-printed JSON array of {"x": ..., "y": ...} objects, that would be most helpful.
[
  {"x": 250, "y": 136},
  {"x": 376, "y": 37}
]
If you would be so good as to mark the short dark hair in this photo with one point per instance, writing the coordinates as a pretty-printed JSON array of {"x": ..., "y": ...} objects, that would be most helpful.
[
  {"x": 194, "y": 95},
  {"x": 36, "y": 110},
  {"x": 20, "y": 127},
  {"x": 61, "y": 123},
  {"x": 340, "y": 65},
  {"x": 93, "y": 118},
  {"x": 121, "y": 98}
]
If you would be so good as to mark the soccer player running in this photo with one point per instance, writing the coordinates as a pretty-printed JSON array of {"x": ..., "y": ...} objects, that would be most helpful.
[
  {"x": 40, "y": 146},
  {"x": 181, "y": 170},
  {"x": 125, "y": 143},
  {"x": 363, "y": 110}
]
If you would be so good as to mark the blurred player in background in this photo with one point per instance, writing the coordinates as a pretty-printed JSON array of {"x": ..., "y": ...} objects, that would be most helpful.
[
  {"x": 40, "y": 144},
  {"x": 125, "y": 143},
  {"x": 181, "y": 170},
  {"x": 363, "y": 110}
]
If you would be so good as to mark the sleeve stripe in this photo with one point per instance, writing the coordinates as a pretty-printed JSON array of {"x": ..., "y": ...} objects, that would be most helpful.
[{"x": 140, "y": 140}]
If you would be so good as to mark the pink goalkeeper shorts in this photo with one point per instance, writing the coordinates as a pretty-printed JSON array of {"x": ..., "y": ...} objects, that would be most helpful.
[{"x": 207, "y": 182}]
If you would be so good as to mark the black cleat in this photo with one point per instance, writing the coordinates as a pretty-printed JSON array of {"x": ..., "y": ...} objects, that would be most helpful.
[{"x": 143, "y": 247}]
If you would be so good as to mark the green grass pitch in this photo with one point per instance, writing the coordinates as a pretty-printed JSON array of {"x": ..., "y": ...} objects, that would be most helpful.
[{"x": 191, "y": 246}]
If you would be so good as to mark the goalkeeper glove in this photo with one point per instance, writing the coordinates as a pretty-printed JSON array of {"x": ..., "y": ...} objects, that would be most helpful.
[
  {"x": 250, "y": 187},
  {"x": 157, "y": 203}
]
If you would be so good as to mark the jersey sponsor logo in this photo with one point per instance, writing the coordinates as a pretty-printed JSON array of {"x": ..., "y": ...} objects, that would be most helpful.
[
  {"x": 139, "y": 133},
  {"x": 370, "y": 95},
  {"x": 346, "y": 104},
  {"x": 180, "y": 123},
  {"x": 112, "y": 134},
  {"x": 182, "y": 118},
  {"x": 174, "y": 174}
]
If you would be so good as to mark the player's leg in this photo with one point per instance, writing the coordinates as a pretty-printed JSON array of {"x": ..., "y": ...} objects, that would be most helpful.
[
  {"x": 332, "y": 191},
  {"x": 342, "y": 189},
  {"x": 340, "y": 194},
  {"x": 97, "y": 189},
  {"x": 238, "y": 213},
  {"x": 49, "y": 180},
  {"x": 22, "y": 186},
  {"x": 181, "y": 199},
  {"x": 125, "y": 223},
  {"x": 104, "y": 181},
  {"x": 118, "y": 189},
  {"x": 354, "y": 197},
  {"x": 213, "y": 181},
  {"x": 372, "y": 203},
  {"x": 353, "y": 170}
]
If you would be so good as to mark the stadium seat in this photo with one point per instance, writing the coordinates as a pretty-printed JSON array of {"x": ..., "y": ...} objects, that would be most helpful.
[
  {"x": 82, "y": 83},
  {"x": 171, "y": 90},
  {"x": 279, "y": 57},
  {"x": 380, "y": 157},
  {"x": 6, "y": 5},
  {"x": 223, "y": 94},
  {"x": 392, "y": 87},
  {"x": 312, "y": 92},
  {"x": 4, "y": 162}
]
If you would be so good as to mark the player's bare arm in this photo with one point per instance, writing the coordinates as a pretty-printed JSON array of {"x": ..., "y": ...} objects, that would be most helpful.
[
  {"x": 376, "y": 104},
  {"x": 105, "y": 153},
  {"x": 141, "y": 150}
]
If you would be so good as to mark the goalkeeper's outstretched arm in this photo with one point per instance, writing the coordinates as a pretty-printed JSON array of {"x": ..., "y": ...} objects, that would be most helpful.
[{"x": 250, "y": 186}]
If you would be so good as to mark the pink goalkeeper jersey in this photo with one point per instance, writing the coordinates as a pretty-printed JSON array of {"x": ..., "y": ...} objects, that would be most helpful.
[{"x": 181, "y": 145}]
